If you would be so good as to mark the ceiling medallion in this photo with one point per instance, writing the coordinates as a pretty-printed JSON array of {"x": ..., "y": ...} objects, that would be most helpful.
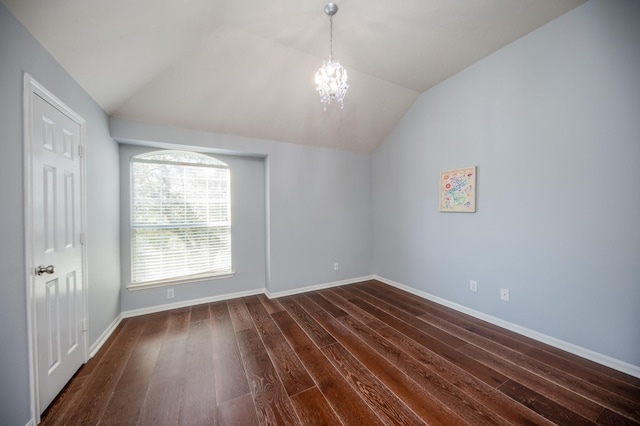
[{"x": 331, "y": 78}]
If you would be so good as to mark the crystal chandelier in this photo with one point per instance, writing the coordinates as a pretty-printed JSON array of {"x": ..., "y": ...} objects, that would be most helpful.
[{"x": 331, "y": 78}]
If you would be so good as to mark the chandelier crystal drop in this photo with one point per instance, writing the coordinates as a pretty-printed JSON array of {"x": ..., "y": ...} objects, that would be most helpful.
[{"x": 331, "y": 78}]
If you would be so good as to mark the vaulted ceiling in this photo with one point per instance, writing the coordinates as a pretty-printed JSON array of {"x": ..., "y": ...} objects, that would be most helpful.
[{"x": 246, "y": 67}]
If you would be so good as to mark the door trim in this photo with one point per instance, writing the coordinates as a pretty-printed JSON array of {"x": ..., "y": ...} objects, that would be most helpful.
[{"x": 32, "y": 88}]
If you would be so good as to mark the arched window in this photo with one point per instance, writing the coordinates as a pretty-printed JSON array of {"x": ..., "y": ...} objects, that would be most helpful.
[{"x": 180, "y": 217}]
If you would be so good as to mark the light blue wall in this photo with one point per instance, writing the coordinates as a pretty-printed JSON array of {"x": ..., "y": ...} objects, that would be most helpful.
[
  {"x": 320, "y": 214},
  {"x": 553, "y": 123},
  {"x": 248, "y": 236},
  {"x": 19, "y": 53},
  {"x": 319, "y": 205}
]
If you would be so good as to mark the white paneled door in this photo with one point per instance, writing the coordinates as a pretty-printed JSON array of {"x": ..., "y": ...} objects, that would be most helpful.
[{"x": 57, "y": 297}]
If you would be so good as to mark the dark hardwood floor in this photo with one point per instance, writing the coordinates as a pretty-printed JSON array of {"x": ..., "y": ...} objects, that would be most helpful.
[{"x": 362, "y": 354}]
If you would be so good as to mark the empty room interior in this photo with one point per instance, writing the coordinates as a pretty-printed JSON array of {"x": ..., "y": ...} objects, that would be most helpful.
[{"x": 245, "y": 212}]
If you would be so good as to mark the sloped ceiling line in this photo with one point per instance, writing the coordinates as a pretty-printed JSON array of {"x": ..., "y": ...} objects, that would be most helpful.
[{"x": 246, "y": 67}]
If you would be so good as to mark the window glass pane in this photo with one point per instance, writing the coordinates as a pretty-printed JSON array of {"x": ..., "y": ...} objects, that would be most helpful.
[
  {"x": 174, "y": 194},
  {"x": 180, "y": 216},
  {"x": 181, "y": 157},
  {"x": 167, "y": 253}
]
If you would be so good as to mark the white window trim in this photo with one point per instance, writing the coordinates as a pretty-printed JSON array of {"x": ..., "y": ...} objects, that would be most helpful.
[
  {"x": 185, "y": 279},
  {"x": 181, "y": 280}
]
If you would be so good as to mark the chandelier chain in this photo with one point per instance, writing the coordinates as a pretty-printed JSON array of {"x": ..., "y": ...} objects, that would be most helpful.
[{"x": 331, "y": 36}]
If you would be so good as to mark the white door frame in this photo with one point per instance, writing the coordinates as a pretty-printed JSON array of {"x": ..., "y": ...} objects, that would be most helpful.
[{"x": 30, "y": 88}]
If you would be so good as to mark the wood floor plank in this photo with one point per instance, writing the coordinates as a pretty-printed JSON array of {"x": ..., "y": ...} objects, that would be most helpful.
[
  {"x": 164, "y": 395},
  {"x": 409, "y": 392},
  {"x": 348, "y": 405},
  {"x": 199, "y": 398},
  {"x": 292, "y": 373},
  {"x": 389, "y": 307},
  {"x": 610, "y": 418},
  {"x": 131, "y": 390},
  {"x": 313, "y": 409},
  {"x": 71, "y": 396},
  {"x": 474, "y": 389},
  {"x": 565, "y": 396},
  {"x": 464, "y": 320},
  {"x": 200, "y": 312},
  {"x": 543, "y": 405},
  {"x": 441, "y": 382},
  {"x": 561, "y": 378},
  {"x": 340, "y": 299},
  {"x": 237, "y": 412},
  {"x": 99, "y": 389},
  {"x": 272, "y": 403},
  {"x": 390, "y": 409},
  {"x": 307, "y": 304},
  {"x": 437, "y": 373},
  {"x": 594, "y": 366},
  {"x": 178, "y": 326},
  {"x": 230, "y": 378},
  {"x": 470, "y": 365},
  {"x": 339, "y": 291},
  {"x": 325, "y": 304},
  {"x": 406, "y": 304},
  {"x": 271, "y": 305},
  {"x": 240, "y": 317},
  {"x": 361, "y": 354},
  {"x": 598, "y": 379},
  {"x": 318, "y": 334},
  {"x": 559, "y": 381},
  {"x": 115, "y": 337},
  {"x": 480, "y": 349},
  {"x": 471, "y": 334}
]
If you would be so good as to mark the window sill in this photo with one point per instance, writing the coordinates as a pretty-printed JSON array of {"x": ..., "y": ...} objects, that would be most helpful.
[{"x": 178, "y": 281}]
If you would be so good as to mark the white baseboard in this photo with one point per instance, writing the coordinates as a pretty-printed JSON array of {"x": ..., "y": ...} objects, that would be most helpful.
[
  {"x": 316, "y": 287},
  {"x": 270, "y": 295},
  {"x": 31, "y": 422},
  {"x": 192, "y": 302},
  {"x": 95, "y": 347},
  {"x": 605, "y": 360}
]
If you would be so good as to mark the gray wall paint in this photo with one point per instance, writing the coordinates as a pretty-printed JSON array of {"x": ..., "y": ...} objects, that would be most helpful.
[
  {"x": 552, "y": 122},
  {"x": 19, "y": 53},
  {"x": 319, "y": 202},
  {"x": 248, "y": 236},
  {"x": 320, "y": 214}
]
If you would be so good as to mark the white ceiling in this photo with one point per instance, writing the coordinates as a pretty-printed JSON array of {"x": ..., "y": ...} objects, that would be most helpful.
[{"x": 246, "y": 67}]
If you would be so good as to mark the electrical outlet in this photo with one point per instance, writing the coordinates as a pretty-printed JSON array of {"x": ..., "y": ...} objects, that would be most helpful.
[
  {"x": 504, "y": 294},
  {"x": 473, "y": 285},
  {"x": 170, "y": 294},
  {"x": 336, "y": 266}
]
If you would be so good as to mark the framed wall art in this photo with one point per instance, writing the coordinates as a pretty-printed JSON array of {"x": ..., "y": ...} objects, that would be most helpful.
[{"x": 458, "y": 190}]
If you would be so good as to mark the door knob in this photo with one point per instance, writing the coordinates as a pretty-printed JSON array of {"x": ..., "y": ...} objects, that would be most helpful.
[{"x": 45, "y": 269}]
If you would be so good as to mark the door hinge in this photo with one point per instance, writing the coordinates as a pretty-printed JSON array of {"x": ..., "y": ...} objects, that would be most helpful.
[
  {"x": 82, "y": 238},
  {"x": 80, "y": 151},
  {"x": 85, "y": 325}
]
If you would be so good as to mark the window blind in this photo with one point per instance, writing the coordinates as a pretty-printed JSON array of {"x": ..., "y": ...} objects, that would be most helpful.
[{"x": 180, "y": 217}]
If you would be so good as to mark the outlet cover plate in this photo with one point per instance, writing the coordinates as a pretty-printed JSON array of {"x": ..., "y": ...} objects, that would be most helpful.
[{"x": 504, "y": 294}]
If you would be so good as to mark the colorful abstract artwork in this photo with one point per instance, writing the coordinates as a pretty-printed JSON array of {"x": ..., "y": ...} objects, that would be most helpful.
[{"x": 458, "y": 190}]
